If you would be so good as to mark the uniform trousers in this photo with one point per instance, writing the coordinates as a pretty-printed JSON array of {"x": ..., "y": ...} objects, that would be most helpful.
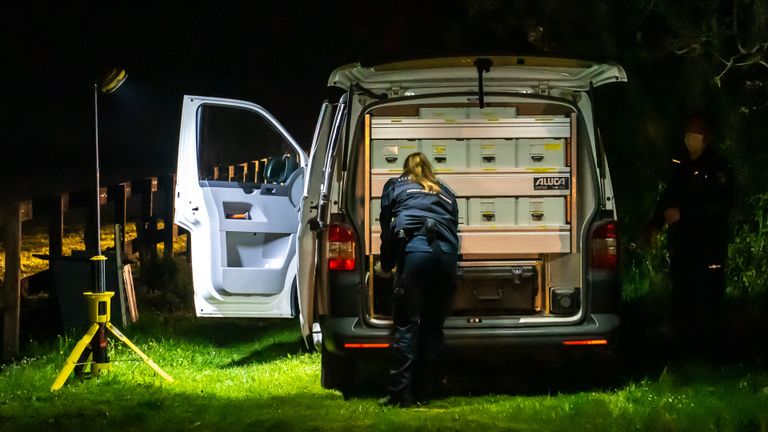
[
  {"x": 422, "y": 296},
  {"x": 698, "y": 288}
]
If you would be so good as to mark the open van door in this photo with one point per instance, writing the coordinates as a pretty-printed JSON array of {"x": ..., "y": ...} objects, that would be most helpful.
[
  {"x": 239, "y": 189},
  {"x": 311, "y": 219}
]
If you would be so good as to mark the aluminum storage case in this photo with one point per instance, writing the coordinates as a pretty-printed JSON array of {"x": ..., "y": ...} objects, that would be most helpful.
[
  {"x": 390, "y": 154},
  {"x": 492, "y": 154},
  {"x": 492, "y": 211},
  {"x": 541, "y": 211},
  {"x": 540, "y": 153},
  {"x": 492, "y": 113},
  {"x": 446, "y": 154},
  {"x": 443, "y": 113}
]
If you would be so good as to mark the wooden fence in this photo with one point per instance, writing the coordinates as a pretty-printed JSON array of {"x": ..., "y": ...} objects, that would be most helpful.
[{"x": 155, "y": 197}]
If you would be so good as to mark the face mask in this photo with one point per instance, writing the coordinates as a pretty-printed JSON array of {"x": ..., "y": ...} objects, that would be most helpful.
[{"x": 695, "y": 144}]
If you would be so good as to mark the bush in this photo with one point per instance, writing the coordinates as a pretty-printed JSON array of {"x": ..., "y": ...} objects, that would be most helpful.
[
  {"x": 645, "y": 268},
  {"x": 165, "y": 285},
  {"x": 748, "y": 252}
]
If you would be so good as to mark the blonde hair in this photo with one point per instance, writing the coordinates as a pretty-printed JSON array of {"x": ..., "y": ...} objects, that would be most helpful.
[{"x": 418, "y": 169}]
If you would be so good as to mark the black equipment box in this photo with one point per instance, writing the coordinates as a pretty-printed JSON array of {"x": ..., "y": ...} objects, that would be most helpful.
[{"x": 504, "y": 290}]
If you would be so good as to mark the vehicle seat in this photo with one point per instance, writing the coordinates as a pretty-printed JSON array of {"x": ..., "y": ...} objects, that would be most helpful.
[{"x": 279, "y": 168}]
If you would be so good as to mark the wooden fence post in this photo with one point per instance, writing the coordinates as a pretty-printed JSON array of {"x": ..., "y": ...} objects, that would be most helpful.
[
  {"x": 170, "y": 230},
  {"x": 14, "y": 214},
  {"x": 146, "y": 228},
  {"x": 58, "y": 205},
  {"x": 120, "y": 193}
]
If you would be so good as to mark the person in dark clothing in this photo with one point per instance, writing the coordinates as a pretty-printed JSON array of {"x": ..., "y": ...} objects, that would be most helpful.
[
  {"x": 419, "y": 223},
  {"x": 696, "y": 206}
]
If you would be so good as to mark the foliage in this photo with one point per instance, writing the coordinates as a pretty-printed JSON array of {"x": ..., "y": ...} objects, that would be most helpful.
[
  {"x": 165, "y": 284},
  {"x": 645, "y": 268},
  {"x": 731, "y": 35},
  {"x": 748, "y": 252},
  {"x": 252, "y": 375}
]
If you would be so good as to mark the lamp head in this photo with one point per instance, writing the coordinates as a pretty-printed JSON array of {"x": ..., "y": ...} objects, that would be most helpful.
[{"x": 112, "y": 80}]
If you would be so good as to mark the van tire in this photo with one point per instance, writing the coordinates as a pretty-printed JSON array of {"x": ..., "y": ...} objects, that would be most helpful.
[{"x": 337, "y": 372}]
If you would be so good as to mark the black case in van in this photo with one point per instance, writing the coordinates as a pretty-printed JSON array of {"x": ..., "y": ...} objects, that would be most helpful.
[{"x": 496, "y": 290}]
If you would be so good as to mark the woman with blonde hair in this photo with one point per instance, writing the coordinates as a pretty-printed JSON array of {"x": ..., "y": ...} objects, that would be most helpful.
[{"x": 419, "y": 223}]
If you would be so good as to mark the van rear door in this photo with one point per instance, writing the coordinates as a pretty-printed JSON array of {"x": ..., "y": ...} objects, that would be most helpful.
[{"x": 240, "y": 187}]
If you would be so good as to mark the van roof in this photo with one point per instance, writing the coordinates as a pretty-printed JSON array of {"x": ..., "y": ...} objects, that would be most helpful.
[{"x": 506, "y": 71}]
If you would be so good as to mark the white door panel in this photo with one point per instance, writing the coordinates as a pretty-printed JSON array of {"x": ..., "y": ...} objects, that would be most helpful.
[{"x": 243, "y": 225}]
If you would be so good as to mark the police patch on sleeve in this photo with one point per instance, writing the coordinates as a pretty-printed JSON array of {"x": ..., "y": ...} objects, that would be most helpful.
[{"x": 551, "y": 183}]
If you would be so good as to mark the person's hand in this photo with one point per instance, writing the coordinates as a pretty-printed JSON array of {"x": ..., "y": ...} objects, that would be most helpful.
[
  {"x": 671, "y": 215},
  {"x": 378, "y": 271}
]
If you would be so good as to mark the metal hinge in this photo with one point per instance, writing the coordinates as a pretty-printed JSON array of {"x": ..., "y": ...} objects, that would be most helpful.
[{"x": 543, "y": 88}]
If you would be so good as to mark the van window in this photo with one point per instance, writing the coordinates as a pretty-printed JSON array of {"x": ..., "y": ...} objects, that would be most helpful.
[{"x": 240, "y": 145}]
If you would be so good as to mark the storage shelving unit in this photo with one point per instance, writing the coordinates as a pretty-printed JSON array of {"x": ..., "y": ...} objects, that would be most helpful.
[{"x": 539, "y": 190}]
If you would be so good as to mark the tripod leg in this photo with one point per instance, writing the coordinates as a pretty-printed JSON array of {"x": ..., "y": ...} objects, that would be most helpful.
[
  {"x": 71, "y": 361},
  {"x": 82, "y": 361},
  {"x": 135, "y": 349}
]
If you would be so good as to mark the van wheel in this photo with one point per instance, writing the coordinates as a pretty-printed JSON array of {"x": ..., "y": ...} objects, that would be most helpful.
[{"x": 337, "y": 372}]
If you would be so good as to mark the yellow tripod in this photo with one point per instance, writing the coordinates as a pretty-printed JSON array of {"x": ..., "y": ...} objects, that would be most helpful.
[{"x": 99, "y": 314}]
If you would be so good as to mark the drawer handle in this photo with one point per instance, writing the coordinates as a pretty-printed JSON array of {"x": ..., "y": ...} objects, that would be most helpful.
[
  {"x": 489, "y": 296},
  {"x": 391, "y": 159},
  {"x": 489, "y": 159},
  {"x": 537, "y": 158},
  {"x": 489, "y": 217},
  {"x": 537, "y": 216},
  {"x": 440, "y": 159}
]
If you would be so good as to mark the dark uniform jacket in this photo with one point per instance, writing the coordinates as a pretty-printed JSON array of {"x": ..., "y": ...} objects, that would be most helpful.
[
  {"x": 701, "y": 190},
  {"x": 405, "y": 205}
]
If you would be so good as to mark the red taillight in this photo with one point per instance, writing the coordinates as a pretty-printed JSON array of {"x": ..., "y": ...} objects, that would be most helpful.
[
  {"x": 586, "y": 342},
  {"x": 605, "y": 246},
  {"x": 341, "y": 248},
  {"x": 366, "y": 345}
]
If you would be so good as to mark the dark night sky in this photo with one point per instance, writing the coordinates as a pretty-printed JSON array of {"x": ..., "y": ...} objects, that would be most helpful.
[{"x": 277, "y": 54}]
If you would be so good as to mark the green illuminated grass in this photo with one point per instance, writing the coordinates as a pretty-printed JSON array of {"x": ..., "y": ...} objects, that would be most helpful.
[{"x": 252, "y": 375}]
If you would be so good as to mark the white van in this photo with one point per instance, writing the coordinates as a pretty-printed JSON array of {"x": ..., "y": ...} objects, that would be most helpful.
[{"x": 277, "y": 233}]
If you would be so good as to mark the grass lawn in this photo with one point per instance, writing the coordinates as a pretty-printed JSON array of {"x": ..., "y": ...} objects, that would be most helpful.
[{"x": 233, "y": 375}]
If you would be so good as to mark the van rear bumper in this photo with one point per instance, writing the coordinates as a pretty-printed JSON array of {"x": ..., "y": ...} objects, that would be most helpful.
[{"x": 352, "y": 330}]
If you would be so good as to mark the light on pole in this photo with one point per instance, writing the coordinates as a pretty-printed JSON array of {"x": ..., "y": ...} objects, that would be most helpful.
[
  {"x": 95, "y": 339},
  {"x": 109, "y": 84}
]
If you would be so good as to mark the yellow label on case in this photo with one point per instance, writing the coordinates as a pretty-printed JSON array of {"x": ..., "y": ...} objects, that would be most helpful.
[
  {"x": 553, "y": 146},
  {"x": 438, "y": 149}
]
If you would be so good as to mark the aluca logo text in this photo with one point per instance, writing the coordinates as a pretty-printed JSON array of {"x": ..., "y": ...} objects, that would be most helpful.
[{"x": 540, "y": 183}]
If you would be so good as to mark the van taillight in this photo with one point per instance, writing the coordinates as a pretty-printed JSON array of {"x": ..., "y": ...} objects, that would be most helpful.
[
  {"x": 341, "y": 248},
  {"x": 605, "y": 246}
]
